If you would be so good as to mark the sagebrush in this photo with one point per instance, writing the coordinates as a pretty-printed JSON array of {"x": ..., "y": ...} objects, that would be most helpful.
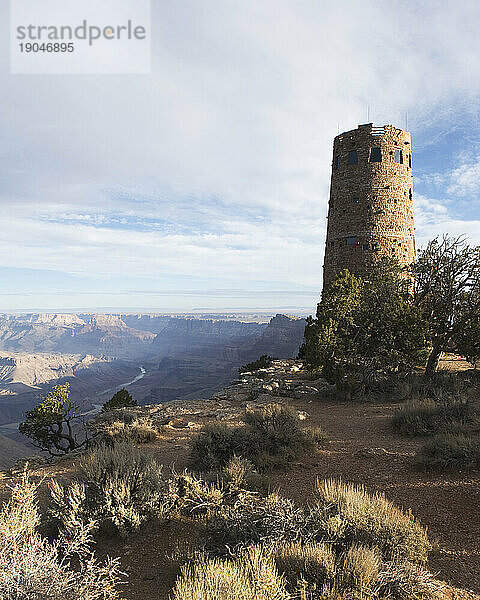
[
  {"x": 32, "y": 567},
  {"x": 272, "y": 437},
  {"x": 117, "y": 487},
  {"x": 450, "y": 452},
  {"x": 426, "y": 416}
]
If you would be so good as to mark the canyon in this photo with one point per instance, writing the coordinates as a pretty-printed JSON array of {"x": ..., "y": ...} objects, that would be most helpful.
[{"x": 158, "y": 357}]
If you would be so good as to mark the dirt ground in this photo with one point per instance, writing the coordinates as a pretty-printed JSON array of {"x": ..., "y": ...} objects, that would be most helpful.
[{"x": 362, "y": 448}]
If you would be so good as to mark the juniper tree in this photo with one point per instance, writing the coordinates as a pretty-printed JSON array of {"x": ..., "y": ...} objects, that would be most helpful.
[
  {"x": 120, "y": 399},
  {"x": 51, "y": 424},
  {"x": 447, "y": 290},
  {"x": 365, "y": 326}
]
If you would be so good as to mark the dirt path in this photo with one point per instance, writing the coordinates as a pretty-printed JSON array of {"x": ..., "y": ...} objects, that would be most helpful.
[{"x": 363, "y": 449}]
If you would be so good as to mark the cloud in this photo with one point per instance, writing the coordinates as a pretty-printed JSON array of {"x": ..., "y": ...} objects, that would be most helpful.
[
  {"x": 218, "y": 164},
  {"x": 465, "y": 179}
]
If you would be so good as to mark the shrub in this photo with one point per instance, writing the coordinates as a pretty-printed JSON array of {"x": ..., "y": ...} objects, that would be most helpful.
[
  {"x": 297, "y": 571},
  {"x": 32, "y": 567},
  {"x": 139, "y": 431},
  {"x": 195, "y": 496},
  {"x": 348, "y": 514},
  {"x": 251, "y": 519},
  {"x": 272, "y": 437},
  {"x": 261, "y": 363},
  {"x": 251, "y": 576},
  {"x": 117, "y": 487},
  {"x": 241, "y": 475},
  {"x": 348, "y": 545},
  {"x": 120, "y": 399},
  {"x": 361, "y": 568},
  {"x": 312, "y": 563},
  {"x": 450, "y": 452},
  {"x": 406, "y": 581},
  {"x": 426, "y": 417},
  {"x": 213, "y": 447},
  {"x": 343, "y": 515}
]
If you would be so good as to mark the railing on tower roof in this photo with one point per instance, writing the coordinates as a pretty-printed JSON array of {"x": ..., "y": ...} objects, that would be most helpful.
[{"x": 378, "y": 130}]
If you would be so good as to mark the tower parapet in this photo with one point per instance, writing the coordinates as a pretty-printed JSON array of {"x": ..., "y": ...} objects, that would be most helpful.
[{"x": 370, "y": 211}]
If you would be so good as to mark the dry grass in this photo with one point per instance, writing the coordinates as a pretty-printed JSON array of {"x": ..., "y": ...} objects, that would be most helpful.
[
  {"x": 139, "y": 431},
  {"x": 348, "y": 514},
  {"x": 425, "y": 416},
  {"x": 313, "y": 563},
  {"x": 450, "y": 452},
  {"x": 361, "y": 568},
  {"x": 252, "y": 576}
]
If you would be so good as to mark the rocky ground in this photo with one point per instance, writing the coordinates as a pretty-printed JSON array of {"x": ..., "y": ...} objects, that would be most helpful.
[{"x": 362, "y": 448}]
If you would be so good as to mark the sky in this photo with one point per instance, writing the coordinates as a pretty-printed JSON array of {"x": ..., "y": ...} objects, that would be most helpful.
[{"x": 203, "y": 186}]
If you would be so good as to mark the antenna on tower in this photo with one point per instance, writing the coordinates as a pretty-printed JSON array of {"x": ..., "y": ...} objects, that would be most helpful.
[
  {"x": 406, "y": 120},
  {"x": 368, "y": 113}
]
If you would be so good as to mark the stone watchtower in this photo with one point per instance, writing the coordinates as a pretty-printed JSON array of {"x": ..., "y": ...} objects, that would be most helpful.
[{"x": 370, "y": 212}]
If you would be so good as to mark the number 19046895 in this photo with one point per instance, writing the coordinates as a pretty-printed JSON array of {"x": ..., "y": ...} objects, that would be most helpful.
[{"x": 50, "y": 47}]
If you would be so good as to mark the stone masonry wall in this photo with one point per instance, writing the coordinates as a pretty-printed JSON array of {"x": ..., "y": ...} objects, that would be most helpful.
[{"x": 371, "y": 203}]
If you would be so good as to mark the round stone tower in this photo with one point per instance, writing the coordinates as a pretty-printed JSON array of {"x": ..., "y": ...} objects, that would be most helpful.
[{"x": 370, "y": 212}]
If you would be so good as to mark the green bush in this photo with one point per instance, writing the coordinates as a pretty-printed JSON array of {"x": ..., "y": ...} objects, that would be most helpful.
[
  {"x": 275, "y": 437},
  {"x": 31, "y": 567},
  {"x": 450, "y": 452},
  {"x": 214, "y": 446},
  {"x": 120, "y": 399},
  {"x": 272, "y": 437},
  {"x": 117, "y": 488},
  {"x": 422, "y": 417},
  {"x": 261, "y": 363},
  {"x": 365, "y": 328}
]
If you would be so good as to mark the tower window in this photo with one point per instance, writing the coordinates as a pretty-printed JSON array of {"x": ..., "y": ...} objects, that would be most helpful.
[
  {"x": 336, "y": 162},
  {"x": 398, "y": 158},
  {"x": 410, "y": 160},
  {"x": 353, "y": 157},
  {"x": 375, "y": 155},
  {"x": 351, "y": 241},
  {"x": 410, "y": 194}
]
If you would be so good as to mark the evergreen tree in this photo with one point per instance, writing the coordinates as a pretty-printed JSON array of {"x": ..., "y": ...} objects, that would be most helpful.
[
  {"x": 365, "y": 327},
  {"x": 51, "y": 424},
  {"x": 120, "y": 399}
]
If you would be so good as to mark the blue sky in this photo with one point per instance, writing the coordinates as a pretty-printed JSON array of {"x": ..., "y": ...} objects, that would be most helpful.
[{"x": 205, "y": 184}]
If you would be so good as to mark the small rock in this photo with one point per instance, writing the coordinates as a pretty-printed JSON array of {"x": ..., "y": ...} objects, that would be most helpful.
[{"x": 178, "y": 423}]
